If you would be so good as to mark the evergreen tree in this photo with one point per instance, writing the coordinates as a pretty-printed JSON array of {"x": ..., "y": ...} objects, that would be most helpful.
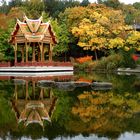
[
  {"x": 4, "y": 7},
  {"x": 15, "y": 3},
  {"x": 112, "y": 3},
  {"x": 137, "y": 5},
  {"x": 99, "y": 1},
  {"x": 54, "y": 7},
  {"x": 85, "y": 3},
  {"x": 34, "y": 8}
]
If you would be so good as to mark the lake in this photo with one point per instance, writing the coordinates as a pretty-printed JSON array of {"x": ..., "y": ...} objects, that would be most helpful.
[{"x": 33, "y": 111}]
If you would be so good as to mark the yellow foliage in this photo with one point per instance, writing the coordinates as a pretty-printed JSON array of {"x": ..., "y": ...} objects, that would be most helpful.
[
  {"x": 101, "y": 28},
  {"x": 138, "y": 49},
  {"x": 126, "y": 48},
  {"x": 98, "y": 27},
  {"x": 116, "y": 43},
  {"x": 98, "y": 105}
]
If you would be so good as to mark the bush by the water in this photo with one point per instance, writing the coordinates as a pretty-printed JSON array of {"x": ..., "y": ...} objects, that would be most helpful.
[
  {"x": 110, "y": 63},
  {"x": 127, "y": 59}
]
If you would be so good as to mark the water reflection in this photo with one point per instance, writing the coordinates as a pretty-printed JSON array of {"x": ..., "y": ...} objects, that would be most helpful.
[
  {"x": 32, "y": 105},
  {"x": 42, "y": 112},
  {"x": 104, "y": 113}
]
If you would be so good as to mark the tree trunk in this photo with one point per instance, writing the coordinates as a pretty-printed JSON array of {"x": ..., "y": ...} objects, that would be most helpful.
[{"x": 96, "y": 57}]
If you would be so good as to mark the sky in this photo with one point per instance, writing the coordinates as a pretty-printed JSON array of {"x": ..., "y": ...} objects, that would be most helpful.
[{"x": 123, "y": 1}]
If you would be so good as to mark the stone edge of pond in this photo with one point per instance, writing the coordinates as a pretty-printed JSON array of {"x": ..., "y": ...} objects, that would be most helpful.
[{"x": 72, "y": 85}]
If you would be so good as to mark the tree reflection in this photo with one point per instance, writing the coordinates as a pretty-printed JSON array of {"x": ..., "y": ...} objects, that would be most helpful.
[{"x": 104, "y": 113}]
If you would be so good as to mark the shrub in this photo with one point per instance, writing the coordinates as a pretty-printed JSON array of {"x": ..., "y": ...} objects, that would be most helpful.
[
  {"x": 138, "y": 61},
  {"x": 136, "y": 58},
  {"x": 108, "y": 63},
  {"x": 84, "y": 59},
  {"x": 82, "y": 66},
  {"x": 127, "y": 59}
]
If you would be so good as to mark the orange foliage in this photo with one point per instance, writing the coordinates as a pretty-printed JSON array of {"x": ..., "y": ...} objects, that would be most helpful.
[
  {"x": 84, "y": 59},
  {"x": 135, "y": 57},
  {"x": 84, "y": 80},
  {"x": 3, "y": 21}
]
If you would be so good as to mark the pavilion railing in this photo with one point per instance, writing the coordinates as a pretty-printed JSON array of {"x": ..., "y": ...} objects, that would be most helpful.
[
  {"x": 5, "y": 64},
  {"x": 44, "y": 64},
  {"x": 60, "y": 77},
  {"x": 21, "y": 64}
]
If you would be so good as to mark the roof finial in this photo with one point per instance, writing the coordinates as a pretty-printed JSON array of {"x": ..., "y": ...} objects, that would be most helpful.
[
  {"x": 41, "y": 18},
  {"x": 18, "y": 20}
]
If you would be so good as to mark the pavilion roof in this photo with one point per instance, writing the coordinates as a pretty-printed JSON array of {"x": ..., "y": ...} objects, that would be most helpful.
[
  {"x": 31, "y": 30},
  {"x": 34, "y": 113}
]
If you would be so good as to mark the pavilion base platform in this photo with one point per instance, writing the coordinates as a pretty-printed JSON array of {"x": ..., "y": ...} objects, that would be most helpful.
[{"x": 36, "y": 70}]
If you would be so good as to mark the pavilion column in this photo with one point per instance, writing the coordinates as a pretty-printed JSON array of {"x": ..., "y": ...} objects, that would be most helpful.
[
  {"x": 33, "y": 88},
  {"x": 33, "y": 53},
  {"x": 15, "y": 49},
  {"x": 39, "y": 54},
  {"x": 22, "y": 54},
  {"x": 16, "y": 94},
  {"x": 27, "y": 93},
  {"x": 50, "y": 52},
  {"x": 26, "y": 52},
  {"x": 42, "y": 52},
  {"x": 43, "y": 58},
  {"x": 41, "y": 93},
  {"x": 51, "y": 93}
]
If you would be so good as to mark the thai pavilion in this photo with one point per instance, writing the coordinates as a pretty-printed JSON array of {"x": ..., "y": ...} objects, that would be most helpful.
[{"x": 33, "y": 35}]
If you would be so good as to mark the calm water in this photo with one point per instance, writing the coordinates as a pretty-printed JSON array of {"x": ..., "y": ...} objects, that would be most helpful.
[{"x": 29, "y": 110}]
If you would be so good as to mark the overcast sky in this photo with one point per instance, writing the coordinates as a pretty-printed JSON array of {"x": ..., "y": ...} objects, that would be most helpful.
[{"x": 124, "y": 1}]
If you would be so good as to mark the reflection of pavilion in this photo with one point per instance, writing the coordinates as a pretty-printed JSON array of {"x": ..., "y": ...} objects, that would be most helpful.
[{"x": 32, "y": 104}]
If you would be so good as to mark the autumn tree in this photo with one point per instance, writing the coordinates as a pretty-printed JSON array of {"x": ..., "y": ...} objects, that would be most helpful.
[
  {"x": 100, "y": 28},
  {"x": 96, "y": 27},
  {"x": 133, "y": 41}
]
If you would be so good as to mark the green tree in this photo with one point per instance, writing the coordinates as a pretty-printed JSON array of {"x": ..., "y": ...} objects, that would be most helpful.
[
  {"x": 15, "y": 3},
  {"x": 63, "y": 38},
  {"x": 34, "y": 8},
  {"x": 6, "y": 51},
  {"x": 112, "y": 3},
  {"x": 85, "y": 3},
  {"x": 99, "y": 1},
  {"x": 54, "y": 7},
  {"x": 129, "y": 11},
  {"x": 4, "y": 8},
  {"x": 137, "y": 5}
]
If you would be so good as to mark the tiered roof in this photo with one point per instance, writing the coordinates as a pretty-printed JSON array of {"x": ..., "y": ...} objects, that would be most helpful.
[
  {"x": 34, "y": 112},
  {"x": 32, "y": 31}
]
